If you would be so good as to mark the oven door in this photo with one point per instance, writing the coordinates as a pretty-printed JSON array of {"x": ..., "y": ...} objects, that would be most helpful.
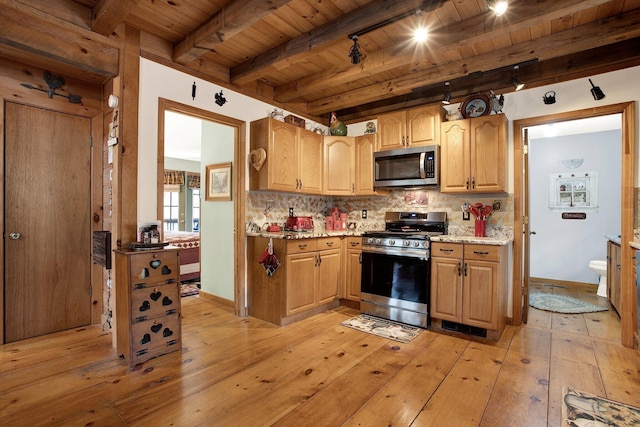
[{"x": 396, "y": 287}]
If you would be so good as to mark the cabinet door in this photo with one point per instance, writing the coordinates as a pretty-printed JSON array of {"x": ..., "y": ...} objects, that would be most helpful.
[
  {"x": 454, "y": 157},
  {"x": 423, "y": 125},
  {"x": 301, "y": 282},
  {"x": 329, "y": 278},
  {"x": 353, "y": 268},
  {"x": 365, "y": 146},
  {"x": 480, "y": 294},
  {"x": 391, "y": 131},
  {"x": 310, "y": 162},
  {"x": 613, "y": 274},
  {"x": 446, "y": 289},
  {"x": 283, "y": 162},
  {"x": 339, "y": 166},
  {"x": 488, "y": 153}
]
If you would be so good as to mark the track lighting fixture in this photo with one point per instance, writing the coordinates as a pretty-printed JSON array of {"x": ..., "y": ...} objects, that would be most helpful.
[
  {"x": 354, "y": 53},
  {"x": 193, "y": 91},
  {"x": 597, "y": 93},
  {"x": 220, "y": 99},
  {"x": 499, "y": 7},
  {"x": 517, "y": 84},
  {"x": 447, "y": 94},
  {"x": 55, "y": 82}
]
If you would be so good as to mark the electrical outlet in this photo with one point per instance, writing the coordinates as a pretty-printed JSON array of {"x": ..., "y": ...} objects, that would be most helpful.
[
  {"x": 364, "y": 214},
  {"x": 465, "y": 216},
  {"x": 496, "y": 205},
  {"x": 290, "y": 211}
]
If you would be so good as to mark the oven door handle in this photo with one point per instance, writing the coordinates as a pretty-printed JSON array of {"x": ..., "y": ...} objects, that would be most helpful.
[{"x": 406, "y": 252}]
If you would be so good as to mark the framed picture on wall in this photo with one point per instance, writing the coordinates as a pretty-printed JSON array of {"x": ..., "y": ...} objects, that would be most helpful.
[{"x": 218, "y": 184}]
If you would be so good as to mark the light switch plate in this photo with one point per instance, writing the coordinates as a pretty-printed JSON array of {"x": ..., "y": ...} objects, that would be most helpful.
[{"x": 364, "y": 214}]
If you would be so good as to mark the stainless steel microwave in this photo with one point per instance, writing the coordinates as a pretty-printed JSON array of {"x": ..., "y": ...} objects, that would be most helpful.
[{"x": 408, "y": 167}]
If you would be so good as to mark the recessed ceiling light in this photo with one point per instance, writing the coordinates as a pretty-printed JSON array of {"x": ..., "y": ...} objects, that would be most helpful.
[
  {"x": 499, "y": 7},
  {"x": 420, "y": 34}
]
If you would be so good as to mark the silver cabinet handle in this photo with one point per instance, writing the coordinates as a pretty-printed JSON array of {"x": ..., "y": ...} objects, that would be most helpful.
[{"x": 14, "y": 236}]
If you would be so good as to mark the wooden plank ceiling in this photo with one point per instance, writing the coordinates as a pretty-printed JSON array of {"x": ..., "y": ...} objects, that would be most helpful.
[{"x": 295, "y": 53}]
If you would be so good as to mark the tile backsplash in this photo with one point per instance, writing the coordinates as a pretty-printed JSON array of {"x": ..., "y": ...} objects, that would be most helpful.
[{"x": 266, "y": 207}]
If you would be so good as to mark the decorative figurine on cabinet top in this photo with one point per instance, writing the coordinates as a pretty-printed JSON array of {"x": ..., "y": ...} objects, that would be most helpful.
[{"x": 336, "y": 127}]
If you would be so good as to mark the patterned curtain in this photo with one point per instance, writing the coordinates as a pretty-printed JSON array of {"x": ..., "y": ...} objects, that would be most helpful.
[
  {"x": 173, "y": 177},
  {"x": 194, "y": 180}
]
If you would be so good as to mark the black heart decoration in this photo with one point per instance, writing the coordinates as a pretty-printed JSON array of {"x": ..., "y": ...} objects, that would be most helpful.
[
  {"x": 145, "y": 306},
  {"x": 155, "y": 295},
  {"x": 167, "y": 332},
  {"x": 166, "y": 301},
  {"x": 166, "y": 270},
  {"x": 145, "y": 339},
  {"x": 144, "y": 273},
  {"x": 156, "y": 328},
  {"x": 155, "y": 263}
]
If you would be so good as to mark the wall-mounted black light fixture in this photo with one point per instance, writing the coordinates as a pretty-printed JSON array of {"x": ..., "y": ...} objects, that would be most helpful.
[
  {"x": 517, "y": 84},
  {"x": 54, "y": 82},
  {"x": 597, "y": 93},
  {"x": 549, "y": 98},
  {"x": 447, "y": 94},
  {"x": 355, "y": 53},
  {"x": 193, "y": 91},
  {"x": 220, "y": 100}
]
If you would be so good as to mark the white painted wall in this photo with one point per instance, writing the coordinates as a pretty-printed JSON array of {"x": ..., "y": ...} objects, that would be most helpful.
[{"x": 562, "y": 248}]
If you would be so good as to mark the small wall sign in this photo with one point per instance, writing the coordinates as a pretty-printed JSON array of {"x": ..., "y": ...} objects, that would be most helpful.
[{"x": 574, "y": 215}]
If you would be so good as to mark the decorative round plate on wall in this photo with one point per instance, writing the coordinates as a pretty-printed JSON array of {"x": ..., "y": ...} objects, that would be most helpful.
[{"x": 475, "y": 106}]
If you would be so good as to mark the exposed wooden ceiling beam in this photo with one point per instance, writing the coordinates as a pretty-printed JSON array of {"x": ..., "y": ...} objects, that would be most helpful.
[
  {"x": 36, "y": 32},
  {"x": 370, "y": 14},
  {"x": 622, "y": 27},
  {"x": 229, "y": 21},
  {"x": 465, "y": 33},
  {"x": 108, "y": 14}
]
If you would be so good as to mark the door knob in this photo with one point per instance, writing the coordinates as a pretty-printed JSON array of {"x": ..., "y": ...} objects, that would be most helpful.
[{"x": 14, "y": 236}]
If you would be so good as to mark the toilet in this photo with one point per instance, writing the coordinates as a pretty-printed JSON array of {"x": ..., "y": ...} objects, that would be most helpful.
[{"x": 599, "y": 266}]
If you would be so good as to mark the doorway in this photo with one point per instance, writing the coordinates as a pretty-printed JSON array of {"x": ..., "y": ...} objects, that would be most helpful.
[
  {"x": 47, "y": 220},
  {"x": 221, "y": 228},
  {"x": 521, "y": 213}
]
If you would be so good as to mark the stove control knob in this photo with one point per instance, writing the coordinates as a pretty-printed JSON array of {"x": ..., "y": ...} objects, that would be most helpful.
[
  {"x": 392, "y": 242},
  {"x": 407, "y": 242},
  {"x": 378, "y": 241},
  {"x": 370, "y": 240},
  {"x": 416, "y": 244}
]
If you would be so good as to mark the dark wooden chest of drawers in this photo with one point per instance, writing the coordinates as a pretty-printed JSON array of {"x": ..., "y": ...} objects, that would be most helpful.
[{"x": 147, "y": 304}]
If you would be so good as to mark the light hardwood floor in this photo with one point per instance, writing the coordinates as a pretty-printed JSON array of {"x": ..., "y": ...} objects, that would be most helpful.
[{"x": 245, "y": 372}]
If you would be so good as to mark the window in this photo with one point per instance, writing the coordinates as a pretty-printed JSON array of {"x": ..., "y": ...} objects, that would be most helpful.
[{"x": 171, "y": 210}]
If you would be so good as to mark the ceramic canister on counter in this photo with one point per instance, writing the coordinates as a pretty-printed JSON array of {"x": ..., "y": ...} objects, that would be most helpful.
[
  {"x": 328, "y": 225},
  {"x": 344, "y": 221}
]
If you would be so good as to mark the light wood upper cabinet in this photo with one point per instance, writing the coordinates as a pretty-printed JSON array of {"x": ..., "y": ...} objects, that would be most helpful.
[
  {"x": 294, "y": 158},
  {"x": 365, "y": 146},
  {"x": 339, "y": 166},
  {"x": 473, "y": 155},
  {"x": 410, "y": 128}
]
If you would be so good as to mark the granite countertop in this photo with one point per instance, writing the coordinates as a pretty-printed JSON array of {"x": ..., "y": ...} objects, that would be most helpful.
[
  {"x": 635, "y": 244},
  {"x": 614, "y": 238},
  {"x": 499, "y": 241},
  {"x": 293, "y": 235}
]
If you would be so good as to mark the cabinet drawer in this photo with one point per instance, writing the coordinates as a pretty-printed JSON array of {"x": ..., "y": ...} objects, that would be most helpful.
[
  {"x": 154, "y": 268},
  {"x": 446, "y": 250},
  {"x": 328, "y": 243},
  {"x": 155, "y": 337},
  {"x": 354, "y": 242},
  {"x": 299, "y": 246},
  {"x": 481, "y": 252},
  {"x": 154, "y": 301}
]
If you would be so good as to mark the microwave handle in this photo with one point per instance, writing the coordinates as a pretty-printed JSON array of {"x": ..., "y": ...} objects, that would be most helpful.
[{"x": 423, "y": 173}]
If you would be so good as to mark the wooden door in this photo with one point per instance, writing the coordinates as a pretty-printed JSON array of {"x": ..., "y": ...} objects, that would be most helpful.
[
  {"x": 365, "y": 147},
  {"x": 423, "y": 125},
  {"x": 391, "y": 131},
  {"x": 454, "y": 157},
  {"x": 446, "y": 289},
  {"x": 339, "y": 161},
  {"x": 329, "y": 277},
  {"x": 353, "y": 267},
  {"x": 47, "y": 222},
  {"x": 310, "y": 162},
  {"x": 283, "y": 163},
  {"x": 488, "y": 153},
  {"x": 480, "y": 294},
  {"x": 301, "y": 282}
]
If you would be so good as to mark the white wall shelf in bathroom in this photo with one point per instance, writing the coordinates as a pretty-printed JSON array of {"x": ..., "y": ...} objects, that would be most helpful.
[{"x": 573, "y": 191}]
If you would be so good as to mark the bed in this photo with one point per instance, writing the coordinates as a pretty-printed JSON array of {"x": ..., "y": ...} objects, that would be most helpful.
[{"x": 189, "y": 242}]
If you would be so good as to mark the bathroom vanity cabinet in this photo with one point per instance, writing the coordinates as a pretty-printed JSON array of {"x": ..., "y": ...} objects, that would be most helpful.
[{"x": 613, "y": 274}]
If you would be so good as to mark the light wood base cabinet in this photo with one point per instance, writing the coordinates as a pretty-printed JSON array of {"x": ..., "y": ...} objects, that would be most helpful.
[
  {"x": 307, "y": 281},
  {"x": 353, "y": 268},
  {"x": 613, "y": 274},
  {"x": 147, "y": 304},
  {"x": 468, "y": 285}
]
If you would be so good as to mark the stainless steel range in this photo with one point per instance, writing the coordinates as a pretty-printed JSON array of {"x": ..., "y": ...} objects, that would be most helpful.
[{"x": 396, "y": 267}]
